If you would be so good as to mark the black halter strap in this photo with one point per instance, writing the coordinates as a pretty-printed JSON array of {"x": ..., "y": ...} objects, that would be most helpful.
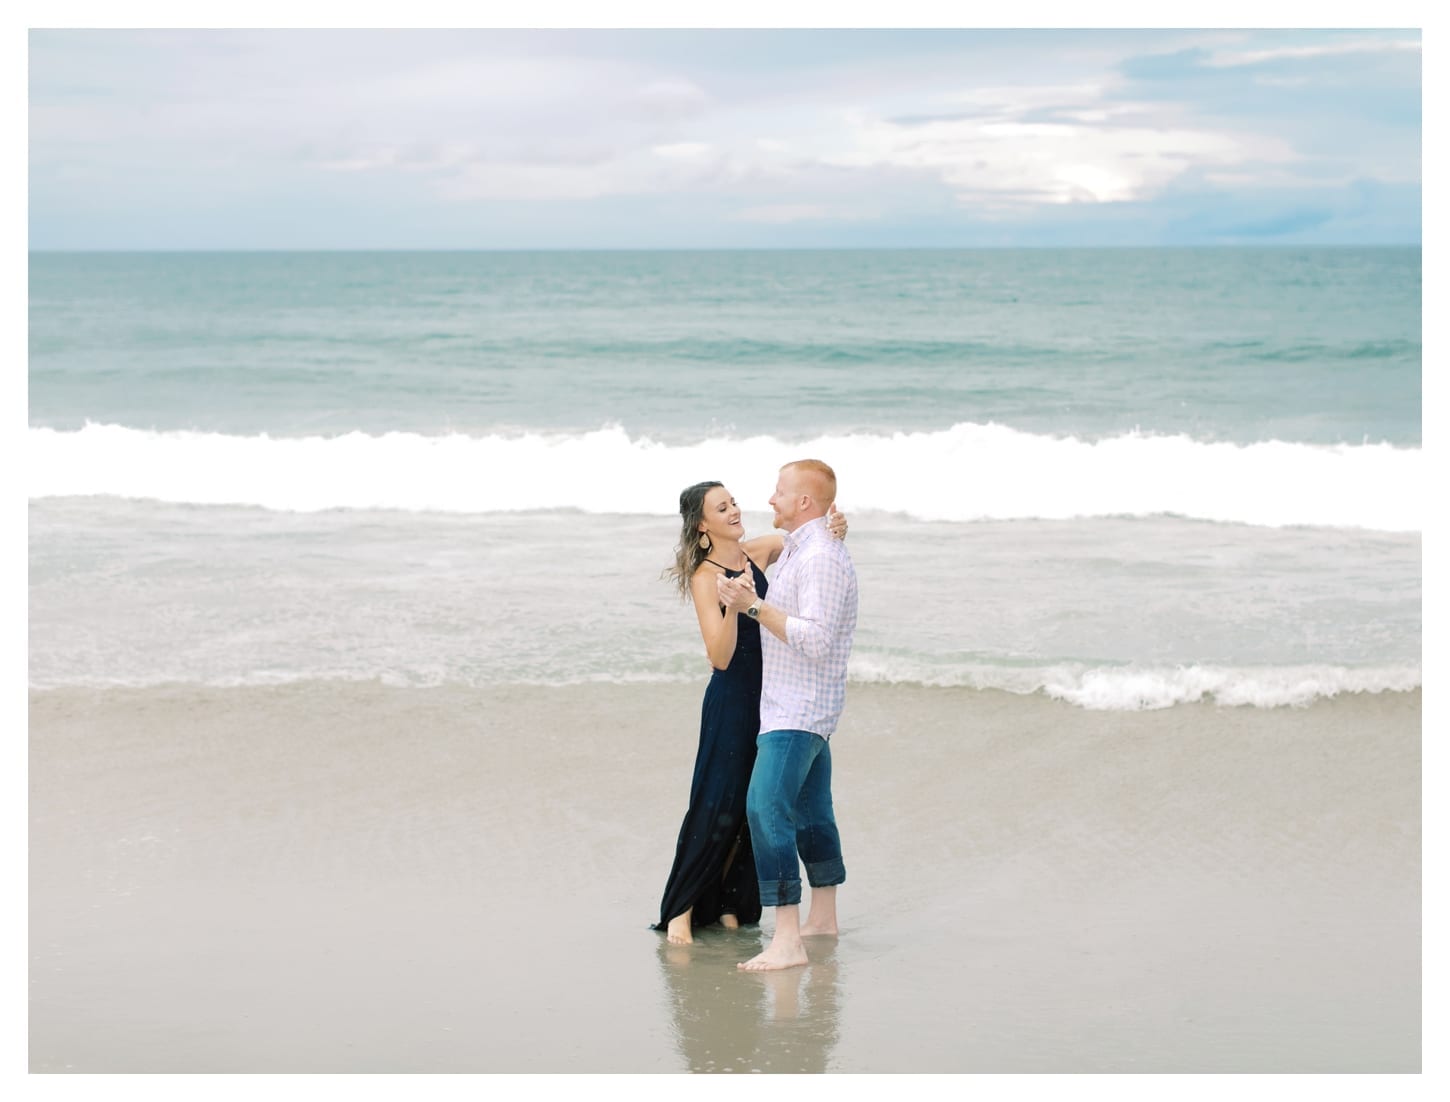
[{"x": 731, "y": 569}]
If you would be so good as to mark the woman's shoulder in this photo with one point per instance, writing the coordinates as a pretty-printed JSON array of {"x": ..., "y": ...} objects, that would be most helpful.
[{"x": 705, "y": 572}]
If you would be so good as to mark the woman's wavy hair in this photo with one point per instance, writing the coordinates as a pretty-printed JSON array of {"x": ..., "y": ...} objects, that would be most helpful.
[{"x": 688, "y": 553}]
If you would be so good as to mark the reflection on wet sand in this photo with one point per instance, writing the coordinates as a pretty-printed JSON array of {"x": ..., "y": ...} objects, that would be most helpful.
[{"x": 727, "y": 1020}]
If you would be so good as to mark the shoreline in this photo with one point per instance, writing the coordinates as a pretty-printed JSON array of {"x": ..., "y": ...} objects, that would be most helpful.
[{"x": 1383, "y": 682}]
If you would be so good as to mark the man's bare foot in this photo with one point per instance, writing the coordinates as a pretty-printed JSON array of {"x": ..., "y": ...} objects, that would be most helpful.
[
  {"x": 819, "y": 929},
  {"x": 678, "y": 931},
  {"x": 821, "y": 922},
  {"x": 730, "y": 922},
  {"x": 783, "y": 990},
  {"x": 776, "y": 957}
]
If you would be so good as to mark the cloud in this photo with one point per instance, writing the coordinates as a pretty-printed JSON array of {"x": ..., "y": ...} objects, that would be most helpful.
[
  {"x": 521, "y": 180},
  {"x": 682, "y": 150},
  {"x": 684, "y": 168},
  {"x": 671, "y": 100},
  {"x": 1225, "y": 60},
  {"x": 997, "y": 161},
  {"x": 784, "y": 213},
  {"x": 857, "y": 130},
  {"x": 1296, "y": 86}
]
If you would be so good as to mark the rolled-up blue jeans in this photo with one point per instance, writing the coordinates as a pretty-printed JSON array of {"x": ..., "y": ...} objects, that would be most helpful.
[{"x": 791, "y": 817}]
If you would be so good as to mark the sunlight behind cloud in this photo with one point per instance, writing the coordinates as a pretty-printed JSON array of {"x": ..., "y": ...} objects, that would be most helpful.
[{"x": 1019, "y": 163}]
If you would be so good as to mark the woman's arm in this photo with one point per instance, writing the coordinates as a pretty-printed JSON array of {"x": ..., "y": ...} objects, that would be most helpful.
[
  {"x": 767, "y": 548},
  {"x": 764, "y": 549},
  {"x": 716, "y": 628}
]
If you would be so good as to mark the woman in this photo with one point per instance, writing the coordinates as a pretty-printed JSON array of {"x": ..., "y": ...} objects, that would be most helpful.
[{"x": 713, "y": 878}]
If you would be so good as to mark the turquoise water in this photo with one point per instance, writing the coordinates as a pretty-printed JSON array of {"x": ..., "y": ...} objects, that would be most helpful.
[
  {"x": 1242, "y": 345},
  {"x": 1126, "y": 478}
]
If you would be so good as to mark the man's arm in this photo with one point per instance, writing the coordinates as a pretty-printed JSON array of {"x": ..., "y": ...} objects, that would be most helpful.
[{"x": 823, "y": 587}]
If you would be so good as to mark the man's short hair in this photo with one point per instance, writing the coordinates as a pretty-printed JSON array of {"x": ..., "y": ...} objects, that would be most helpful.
[{"x": 822, "y": 475}]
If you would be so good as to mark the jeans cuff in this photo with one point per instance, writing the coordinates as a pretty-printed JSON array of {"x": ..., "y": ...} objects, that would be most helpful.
[
  {"x": 779, "y": 893},
  {"x": 826, "y": 874}
]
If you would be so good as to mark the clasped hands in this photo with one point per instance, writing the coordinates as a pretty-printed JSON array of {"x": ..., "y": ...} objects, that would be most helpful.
[{"x": 736, "y": 594}]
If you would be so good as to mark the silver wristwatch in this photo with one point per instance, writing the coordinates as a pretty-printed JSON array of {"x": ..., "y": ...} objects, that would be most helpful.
[{"x": 754, "y": 610}]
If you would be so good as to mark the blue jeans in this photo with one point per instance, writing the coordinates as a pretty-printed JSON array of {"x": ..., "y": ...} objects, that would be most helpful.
[{"x": 790, "y": 813}]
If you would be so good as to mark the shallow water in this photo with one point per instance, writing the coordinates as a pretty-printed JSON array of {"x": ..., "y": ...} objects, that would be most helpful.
[{"x": 324, "y": 877}]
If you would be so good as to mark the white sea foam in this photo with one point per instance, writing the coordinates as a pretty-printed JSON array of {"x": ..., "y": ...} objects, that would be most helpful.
[
  {"x": 968, "y": 472},
  {"x": 1131, "y": 689}
]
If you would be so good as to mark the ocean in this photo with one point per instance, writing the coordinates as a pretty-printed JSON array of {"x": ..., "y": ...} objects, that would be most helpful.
[{"x": 1126, "y": 479}]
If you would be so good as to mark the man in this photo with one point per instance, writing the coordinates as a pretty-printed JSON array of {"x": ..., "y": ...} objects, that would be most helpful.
[{"x": 809, "y": 623}]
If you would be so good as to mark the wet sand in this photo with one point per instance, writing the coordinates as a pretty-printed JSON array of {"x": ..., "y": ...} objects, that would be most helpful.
[{"x": 349, "y": 877}]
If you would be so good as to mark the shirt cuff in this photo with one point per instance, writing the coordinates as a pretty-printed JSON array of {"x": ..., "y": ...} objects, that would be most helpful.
[{"x": 793, "y": 631}]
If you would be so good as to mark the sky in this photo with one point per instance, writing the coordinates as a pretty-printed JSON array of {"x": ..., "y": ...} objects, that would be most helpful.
[{"x": 557, "y": 139}]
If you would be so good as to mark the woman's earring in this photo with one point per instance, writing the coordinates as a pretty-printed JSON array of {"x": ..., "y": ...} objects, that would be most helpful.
[{"x": 705, "y": 542}]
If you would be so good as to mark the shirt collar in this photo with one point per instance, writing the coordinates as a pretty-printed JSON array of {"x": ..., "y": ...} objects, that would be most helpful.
[{"x": 804, "y": 532}]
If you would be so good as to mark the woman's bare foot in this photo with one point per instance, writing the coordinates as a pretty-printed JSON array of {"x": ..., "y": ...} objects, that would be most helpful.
[
  {"x": 678, "y": 931},
  {"x": 730, "y": 922}
]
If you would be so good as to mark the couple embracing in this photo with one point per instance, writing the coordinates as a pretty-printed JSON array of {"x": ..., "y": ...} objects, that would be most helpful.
[{"x": 760, "y": 801}]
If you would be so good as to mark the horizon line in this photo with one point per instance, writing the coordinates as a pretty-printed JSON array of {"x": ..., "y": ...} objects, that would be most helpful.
[{"x": 738, "y": 249}]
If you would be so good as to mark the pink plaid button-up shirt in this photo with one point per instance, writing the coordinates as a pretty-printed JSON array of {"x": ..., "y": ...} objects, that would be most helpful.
[{"x": 804, "y": 683}]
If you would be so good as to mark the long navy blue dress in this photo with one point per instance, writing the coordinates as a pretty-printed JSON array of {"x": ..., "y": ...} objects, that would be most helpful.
[{"x": 714, "y": 869}]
